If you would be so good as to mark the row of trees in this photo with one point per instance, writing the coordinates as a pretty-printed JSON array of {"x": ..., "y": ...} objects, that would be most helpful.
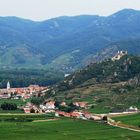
[
  {"x": 8, "y": 106},
  {"x": 37, "y": 100},
  {"x": 69, "y": 108}
]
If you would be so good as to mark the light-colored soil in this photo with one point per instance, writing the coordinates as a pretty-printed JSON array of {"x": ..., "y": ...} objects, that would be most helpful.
[{"x": 45, "y": 120}]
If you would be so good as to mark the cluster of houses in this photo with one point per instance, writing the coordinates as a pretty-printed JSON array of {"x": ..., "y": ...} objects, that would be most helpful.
[
  {"x": 80, "y": 115},
  {"x": 30, "y": 108},
  {"x": 18, "y": 93},
  {"x": 49, "y": 107}
]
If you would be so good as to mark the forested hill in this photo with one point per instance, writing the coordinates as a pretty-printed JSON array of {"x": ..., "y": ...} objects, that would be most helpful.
[
  {"x": 67, "y": 43},
  {"x": 26, "y": 77},
  {"x": 127, "y": 69}
]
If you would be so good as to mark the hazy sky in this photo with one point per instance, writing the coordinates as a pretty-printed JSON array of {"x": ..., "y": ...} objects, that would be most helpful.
[{"x": 44, "y": 9}]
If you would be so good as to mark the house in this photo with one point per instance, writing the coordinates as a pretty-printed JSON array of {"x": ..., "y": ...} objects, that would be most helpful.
[
  {"x": 27, "y": 109},
  {"x": 36, "y": 109},
  {"x": 30, "y": 108},
  {"x": 87, "y": 115},
  {"x": 96, "y": 118},
  {"x": 5, "y": 96},
  {"x": 75, "y": 114},
  {"x": 80, "y": 104},
  {"x": 17, "y": 97},
  {"x": 63, "y": 104},
  {"x": 49, "y": 111},
  {"x": 27, "y": 96},
  {"x": 91, "y": 116},
  {"x": 43, "y": 107},
  {"x": 62, "y": 113},
  {"x": 50, "y": 105},
  {"x": 132, "y": 109}
]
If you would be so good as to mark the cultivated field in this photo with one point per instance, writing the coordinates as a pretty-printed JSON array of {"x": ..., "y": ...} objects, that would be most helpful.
[
  {"x": 65, "y": 129},
  {"x": 129, "y": 119}
]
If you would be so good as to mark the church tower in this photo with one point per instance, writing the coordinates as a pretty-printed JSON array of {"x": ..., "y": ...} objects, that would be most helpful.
[{"x": 8, "y": 85}]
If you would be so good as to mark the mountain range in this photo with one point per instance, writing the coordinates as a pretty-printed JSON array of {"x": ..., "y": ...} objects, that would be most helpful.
[{"x": 67, "y": 43}]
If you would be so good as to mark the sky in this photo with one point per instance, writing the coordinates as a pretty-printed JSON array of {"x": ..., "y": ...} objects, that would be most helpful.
[{"x": 45, "y": 9}]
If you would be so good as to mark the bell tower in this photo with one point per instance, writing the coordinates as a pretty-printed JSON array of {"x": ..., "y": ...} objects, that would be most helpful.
[{"x": 8, "y": 85}]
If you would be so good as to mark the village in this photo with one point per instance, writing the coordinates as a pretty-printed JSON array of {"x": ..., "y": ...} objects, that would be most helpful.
[
  {"x": 79, "y": 112},
  {"x": 21, "y": 93},
  {"x": 76, "y": 109}
]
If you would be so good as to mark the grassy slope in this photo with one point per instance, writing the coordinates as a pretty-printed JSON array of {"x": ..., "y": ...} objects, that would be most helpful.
[
  {"x": 98, "y": 85},
  {"x": 64, "y": 129},
  {"x": 130, "y": 120},
  {"x": 103, "y": 97}
]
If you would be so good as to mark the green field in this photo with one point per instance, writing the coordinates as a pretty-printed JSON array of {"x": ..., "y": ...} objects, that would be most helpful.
[
  {"x": 18, "y": 102},
  {"x": 63, "y": 130},
  {"x": 4, "y": 117},
  {"x": 130, "y": 119}
]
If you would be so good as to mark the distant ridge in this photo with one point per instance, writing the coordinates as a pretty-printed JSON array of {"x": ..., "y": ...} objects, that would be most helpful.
[{"x": 67, "y": 43}]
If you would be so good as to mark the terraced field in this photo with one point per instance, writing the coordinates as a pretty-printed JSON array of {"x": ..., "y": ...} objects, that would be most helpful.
[{"x": 65, "y": 129}]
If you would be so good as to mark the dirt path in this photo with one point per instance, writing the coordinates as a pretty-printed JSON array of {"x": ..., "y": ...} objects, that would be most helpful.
[
  {"x": 136, "y": 130},
  {"x": 123, "y": 126},
  {"x": 45, "y": 120}
]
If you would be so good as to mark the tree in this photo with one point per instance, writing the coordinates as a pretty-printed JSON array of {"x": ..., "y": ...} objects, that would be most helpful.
[
  {"x": 32, "y": 111},
  {"x": 57, "y": 103},
  {"x": 70, "y": 108},
  {"x": 37, "y": 100}
]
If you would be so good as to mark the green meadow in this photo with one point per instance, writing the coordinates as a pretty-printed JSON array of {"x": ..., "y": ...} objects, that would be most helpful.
[
  {"x": 18, "y": 102},
  {"x": 129, "y": 119},
  {"x": 66, "y": 129}
]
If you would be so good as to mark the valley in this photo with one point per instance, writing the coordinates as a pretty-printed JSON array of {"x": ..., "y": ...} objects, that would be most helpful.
[
  {"x": 100, "y": 101},
  {"x": 70, "y": 77}
]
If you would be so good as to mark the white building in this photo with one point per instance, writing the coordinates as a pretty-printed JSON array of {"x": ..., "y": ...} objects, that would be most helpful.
[
  {"x": 119, "y": 55},
  {"x": 8, "y": 85},
  {"x": 132, "y": 109},
  {"x": 50, "y": 105}
]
